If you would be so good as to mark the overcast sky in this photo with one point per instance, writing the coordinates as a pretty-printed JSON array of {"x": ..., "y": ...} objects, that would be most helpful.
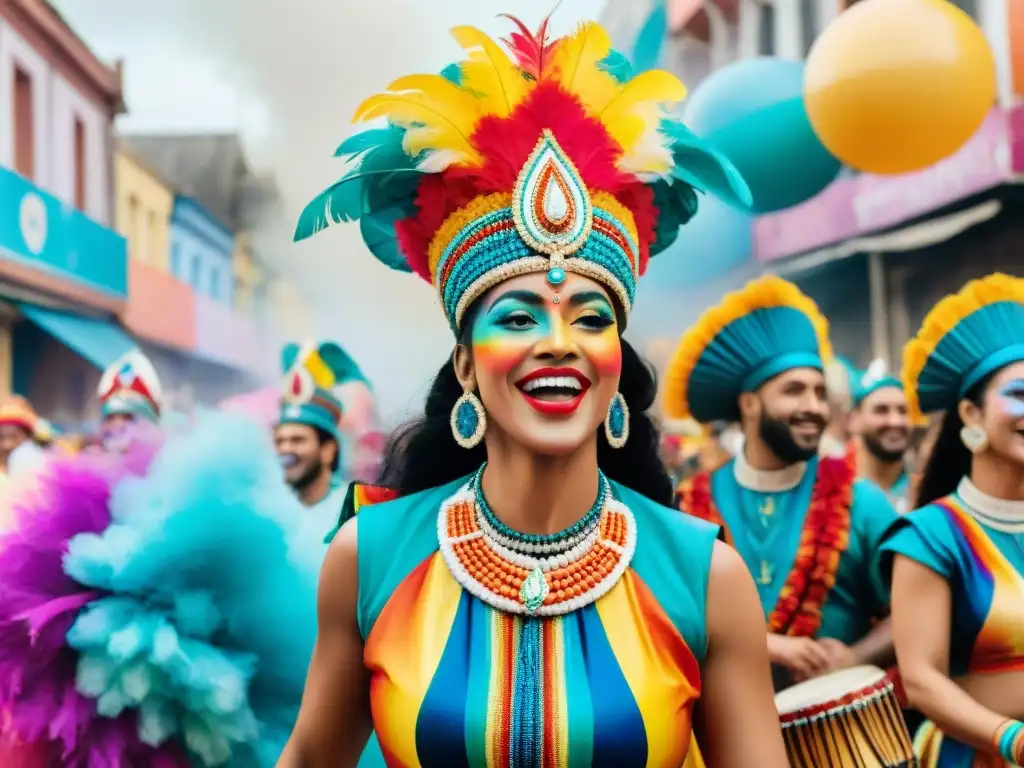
[{"x": 288, "y": 74}]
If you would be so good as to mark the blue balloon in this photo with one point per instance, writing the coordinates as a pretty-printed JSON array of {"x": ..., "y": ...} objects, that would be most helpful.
[
  {"x": 753, "y": 112},
  {"x": 717, "y": 240}
]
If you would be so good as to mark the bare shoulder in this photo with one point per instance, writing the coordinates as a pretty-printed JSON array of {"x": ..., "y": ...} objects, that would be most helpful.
[
  {"x": 728, "y": 571},
  {"x": 733, "y": 604},
  {"x": 339, "y": 575}
]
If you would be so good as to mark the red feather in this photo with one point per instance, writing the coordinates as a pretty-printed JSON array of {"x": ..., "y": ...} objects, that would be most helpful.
[
  {"x": 505, "y": 144},
  {"x": 531, "y": 49}
]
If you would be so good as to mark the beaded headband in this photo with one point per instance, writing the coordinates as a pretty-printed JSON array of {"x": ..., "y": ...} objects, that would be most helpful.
[{"x": 555, "y": 159}]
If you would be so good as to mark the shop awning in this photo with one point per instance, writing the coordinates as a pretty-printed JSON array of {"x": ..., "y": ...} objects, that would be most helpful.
[{"x": 101, "y": 342}]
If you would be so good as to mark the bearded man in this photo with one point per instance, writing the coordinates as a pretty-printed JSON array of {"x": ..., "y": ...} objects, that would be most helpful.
[
  {"x": 807, "y": 529},
  {"x": 881, "y": 424}
]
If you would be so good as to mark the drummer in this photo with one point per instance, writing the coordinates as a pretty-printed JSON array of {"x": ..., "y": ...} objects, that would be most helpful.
[
  {"x": 808, "y": 531},
  {"x": 958, "y": 561}
]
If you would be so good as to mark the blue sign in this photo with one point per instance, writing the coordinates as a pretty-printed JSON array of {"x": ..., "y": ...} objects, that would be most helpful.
[{"x": 38, "y": 230}]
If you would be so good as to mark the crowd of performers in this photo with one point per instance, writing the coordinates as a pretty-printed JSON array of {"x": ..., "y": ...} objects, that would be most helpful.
[{"x": 526, "y": 585}]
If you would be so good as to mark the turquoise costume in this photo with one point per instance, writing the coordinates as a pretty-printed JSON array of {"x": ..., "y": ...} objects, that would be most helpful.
[
  {"x": 969, "y": 538},
  {"x": 808, "y": 532},
  {"x": 611, "y": 683},
  {"x": 485, "y": 646},
  {"x": 859, "y": 595}
]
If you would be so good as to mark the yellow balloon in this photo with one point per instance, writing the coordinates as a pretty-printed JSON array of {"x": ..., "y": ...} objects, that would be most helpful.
[{"x": 893, "y": 86}]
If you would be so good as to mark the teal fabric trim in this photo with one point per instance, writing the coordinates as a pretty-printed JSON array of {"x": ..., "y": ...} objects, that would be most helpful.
[
  {"x": 982, "y": 342},
  {"x": 313, "y": 415},
  {"x": 129, "y": 404},
  {"x": 394, "y": 537},
  {"x": 673, "y": 558},
  {"x": 771, "y": 368},
  {"x": 862, "y": 393},
  {"x": 993, "y": 362},
  {"x": 504, "y": 247},
  {"x": 923, "y": 536}
]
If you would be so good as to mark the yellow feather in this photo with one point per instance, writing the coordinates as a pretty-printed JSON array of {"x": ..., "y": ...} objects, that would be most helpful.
[
  {"x": 489, "y": 73},
  {"x": 575, "y": 66},
  {"x": 437, "y": 114},
  {"x": 635, "y": 111}
]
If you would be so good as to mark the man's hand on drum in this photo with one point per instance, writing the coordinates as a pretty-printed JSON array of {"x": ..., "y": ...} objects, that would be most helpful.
[
  {"x": 840, "y": 655},
  {"x": 804, "y": 657}
]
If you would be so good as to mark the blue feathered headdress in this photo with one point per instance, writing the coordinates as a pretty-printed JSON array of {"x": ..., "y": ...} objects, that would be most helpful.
[
  {"x": 965, "y": 337},
  {"x": 766, "y": 328}
]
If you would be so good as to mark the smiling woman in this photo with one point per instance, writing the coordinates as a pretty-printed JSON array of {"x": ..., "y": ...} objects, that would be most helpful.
[
  {"x": 527, "y": 600},
  {"x": 957, "y": 562}
]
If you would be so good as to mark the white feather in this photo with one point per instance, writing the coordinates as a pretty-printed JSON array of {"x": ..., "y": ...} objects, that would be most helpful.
[
  {"x": 875, "y": 372},
  {"x": 442, "y": 159}
]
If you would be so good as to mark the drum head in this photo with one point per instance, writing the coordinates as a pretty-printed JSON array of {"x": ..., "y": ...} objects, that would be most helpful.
[{"x": 826, "y": 688}]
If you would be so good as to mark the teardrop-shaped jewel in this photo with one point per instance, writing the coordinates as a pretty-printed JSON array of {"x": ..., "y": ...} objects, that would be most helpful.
[
  {"x": 534, "y": 590},
  {"x": 556, "y": 206},
  {"x": 551, "y": 203}
]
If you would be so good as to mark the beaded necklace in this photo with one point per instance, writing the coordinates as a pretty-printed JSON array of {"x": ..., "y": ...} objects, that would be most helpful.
[{"x": 538, "y": 575}]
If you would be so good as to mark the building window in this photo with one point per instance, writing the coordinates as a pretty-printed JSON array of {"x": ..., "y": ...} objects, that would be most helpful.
[
  {"x": 132, "y": 233},
  {"x": 150, "y": 249},
  {"x": 193, "y": 273},
  {"x": 24, "y": 124},
  {"x": 766, "y": 28},
  {"x": 808, "y": 23},
  {"x": 79, "y": 164}
]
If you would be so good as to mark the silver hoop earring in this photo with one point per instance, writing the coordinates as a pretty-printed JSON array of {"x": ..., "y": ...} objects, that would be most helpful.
[
  {"x": 616, "y": 423},
  {"x": 974, "y": 438},
  {"x": 468, "y": 420}
]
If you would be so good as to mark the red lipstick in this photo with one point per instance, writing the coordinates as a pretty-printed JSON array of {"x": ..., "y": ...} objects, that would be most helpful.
[{"x": 559, "y": 376}]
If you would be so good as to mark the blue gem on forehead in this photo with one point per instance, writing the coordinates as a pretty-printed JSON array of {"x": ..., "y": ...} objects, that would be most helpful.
[{"x": 556, "y": 275}]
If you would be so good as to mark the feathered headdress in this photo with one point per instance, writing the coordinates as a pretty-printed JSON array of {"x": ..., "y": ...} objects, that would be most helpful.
[
  {"x": 555, "y": 158},
  {"x": 962, "y": 340},
  {"x": 764, "y": 329},
  {"x": 310, "y": 374},
  {"x": 130, "y": 386}
]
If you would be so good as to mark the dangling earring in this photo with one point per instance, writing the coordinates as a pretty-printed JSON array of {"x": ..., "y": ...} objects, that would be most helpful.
[
  {"x": 469, "y": 420},
  {"x": 975, "y": 438},
  {"x": 616, "y": 423}
]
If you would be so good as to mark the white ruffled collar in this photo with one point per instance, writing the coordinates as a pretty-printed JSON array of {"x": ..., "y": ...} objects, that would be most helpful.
[
  {"x": 1000, "y": 514},
  {"x": 767, "y": 480}
]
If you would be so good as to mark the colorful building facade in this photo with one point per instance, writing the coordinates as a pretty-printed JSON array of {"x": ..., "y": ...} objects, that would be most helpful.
[{"x": 63, "y": 268}]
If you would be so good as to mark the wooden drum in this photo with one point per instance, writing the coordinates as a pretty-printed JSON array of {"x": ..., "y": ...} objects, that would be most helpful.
[{"x": 847, "y": 719}]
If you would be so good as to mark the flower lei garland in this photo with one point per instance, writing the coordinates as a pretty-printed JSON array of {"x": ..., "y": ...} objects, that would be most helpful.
[{"x": 825, "y": 536}]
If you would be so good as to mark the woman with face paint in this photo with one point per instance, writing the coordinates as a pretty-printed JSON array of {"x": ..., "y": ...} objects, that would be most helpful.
[
  {"x": 957, "y": 562},
  {"x": 526, "y": 600}
]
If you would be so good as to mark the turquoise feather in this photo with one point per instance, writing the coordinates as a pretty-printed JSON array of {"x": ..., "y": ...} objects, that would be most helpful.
[
  {"x": 617, "y": 65},
  {"x": 208, "y": 618},
  {"x": 378, "y": 231},
  {"x": 676, "y": 203},
  {"x": 376, "y": 138},
  {"x": 648, "y": 45},
  {"x": 703, "y": 167}
]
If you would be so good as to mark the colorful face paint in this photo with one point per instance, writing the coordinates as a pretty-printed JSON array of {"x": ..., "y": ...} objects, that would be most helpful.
[
  {"x": 508, "y": 330},
  {"x": 1011, "y": 398}
]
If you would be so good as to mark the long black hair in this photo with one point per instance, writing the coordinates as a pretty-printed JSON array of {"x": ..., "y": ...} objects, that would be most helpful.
[
  {"x": 949, "y": 460},
  {"x": 423, "y": 453}
]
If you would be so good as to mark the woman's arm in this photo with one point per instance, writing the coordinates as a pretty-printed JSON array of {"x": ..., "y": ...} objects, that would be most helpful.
[
  {"x": 334, "y": 721},
  {"x": 738, "y": 725},
  {"x": 921, "y": 616}
]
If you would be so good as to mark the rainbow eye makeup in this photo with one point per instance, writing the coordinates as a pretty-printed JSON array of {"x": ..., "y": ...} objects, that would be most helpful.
[{"x": 1011, "y": 398}]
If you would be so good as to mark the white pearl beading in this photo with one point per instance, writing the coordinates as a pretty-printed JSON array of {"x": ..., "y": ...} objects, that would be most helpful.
[
  {"x": 525, "y": 548},
  {"x": 447, "y": 544}
]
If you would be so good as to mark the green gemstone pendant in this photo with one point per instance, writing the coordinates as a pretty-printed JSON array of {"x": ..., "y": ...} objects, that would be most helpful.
[{"x": 534, "y": 590}]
